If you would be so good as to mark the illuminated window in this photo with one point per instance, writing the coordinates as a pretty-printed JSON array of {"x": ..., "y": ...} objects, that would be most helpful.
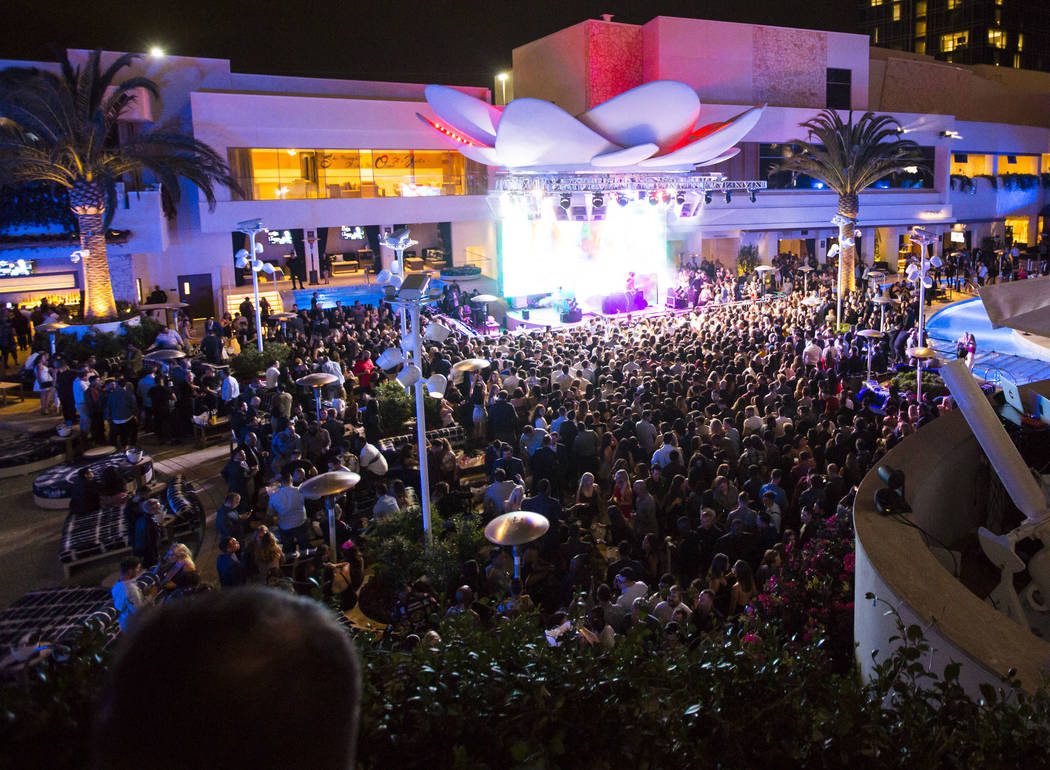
[
  {"x": 876, "y": 3},
  {"x": 997, "y": 38},
  {"x": 920, "y": 9},
  {"x": 1020, "y": 41},
  {"x": 920, "y": 29},
  {"x": 1017, "y": 61},
  {"x": 953, "y": 40},
  {"x": 953, "y": 4},
  {"x": 875, "y": 36},
  {"x": 896, "y": 11},
  {"x": 268, "y": 174},
  {"x": 920, "y": 46}
]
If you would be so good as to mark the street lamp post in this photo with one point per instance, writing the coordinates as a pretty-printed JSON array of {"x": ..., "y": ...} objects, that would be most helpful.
[
  {"x": 502, "y": 77},
  {"x": 246, "y": 258}
]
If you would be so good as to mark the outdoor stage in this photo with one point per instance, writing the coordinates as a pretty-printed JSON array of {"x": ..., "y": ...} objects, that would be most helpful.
[{"x": 541, "y": 318}]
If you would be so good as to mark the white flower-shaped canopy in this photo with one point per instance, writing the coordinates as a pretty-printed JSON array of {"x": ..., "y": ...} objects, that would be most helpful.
[{"x": 650, "y": 128}]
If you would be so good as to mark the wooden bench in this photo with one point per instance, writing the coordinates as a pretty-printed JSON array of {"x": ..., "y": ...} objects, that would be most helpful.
[{"x": 13, "y": 388}]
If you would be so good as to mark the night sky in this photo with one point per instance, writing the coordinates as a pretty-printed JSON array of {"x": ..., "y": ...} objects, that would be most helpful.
[{"x": 463, "y": 42}]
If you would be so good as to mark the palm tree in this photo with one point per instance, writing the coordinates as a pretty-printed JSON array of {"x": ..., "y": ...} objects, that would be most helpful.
[
  {"x": 62, "y": 129},
  {"x": 849, "y": 157}
]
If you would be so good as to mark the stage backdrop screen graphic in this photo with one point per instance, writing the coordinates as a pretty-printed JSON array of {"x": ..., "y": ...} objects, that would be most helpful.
[{"x": 585, "y": 259}]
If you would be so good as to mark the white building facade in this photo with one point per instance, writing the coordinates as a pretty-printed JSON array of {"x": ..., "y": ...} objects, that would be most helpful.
[{"x": 323, "y": 159}]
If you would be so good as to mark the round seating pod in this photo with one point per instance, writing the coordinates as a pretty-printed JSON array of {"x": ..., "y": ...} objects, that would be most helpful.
[{"x": 53, "y": 487}]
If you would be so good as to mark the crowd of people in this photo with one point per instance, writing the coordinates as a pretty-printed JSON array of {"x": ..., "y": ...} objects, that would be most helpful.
[{"x": 677, "y": 456}]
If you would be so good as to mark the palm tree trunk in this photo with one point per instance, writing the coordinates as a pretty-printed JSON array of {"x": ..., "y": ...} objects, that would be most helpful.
[
  {"x": 98, "y": 291},
  {"x": 849, "y": 207}
]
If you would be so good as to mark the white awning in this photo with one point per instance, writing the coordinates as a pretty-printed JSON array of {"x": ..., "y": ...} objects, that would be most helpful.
[{"x": 1021, "y": 305}]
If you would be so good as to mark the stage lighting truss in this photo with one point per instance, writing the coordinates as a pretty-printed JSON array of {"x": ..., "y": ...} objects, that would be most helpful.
[
  {"x": 617, "y": 184},
  {"x": 570, "y": 194}
]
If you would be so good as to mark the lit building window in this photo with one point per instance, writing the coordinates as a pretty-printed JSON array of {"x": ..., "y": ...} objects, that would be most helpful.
[
  {"x": 920, "y": 29},
  {"x": 1020, "y": 41},
  {"x": 920, "y": 9},
  {"x": 953, "y": 4},
  {"x": 920, "y": 46},
  {"x": 875, "y": 36},
  {"x": 953, "y": 40},
  {"x": 1017, "y": 61},
  {"x": 896, "y": 11},
  {"x": 271, "y": 174},
  {"x": 876, "y": 3},
  {"x": 997, "y": 38},
  {"x": 998, "y": 16}
]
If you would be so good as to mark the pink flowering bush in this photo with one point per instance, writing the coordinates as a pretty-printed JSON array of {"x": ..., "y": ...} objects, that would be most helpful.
[{"x": 811, "y": 596}]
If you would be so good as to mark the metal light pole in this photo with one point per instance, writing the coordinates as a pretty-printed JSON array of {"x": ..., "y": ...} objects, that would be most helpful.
[
  {"x": 250, "y": 228},
  {"x": 410, "y": 301},
  {"x": 922, "y": 239}
]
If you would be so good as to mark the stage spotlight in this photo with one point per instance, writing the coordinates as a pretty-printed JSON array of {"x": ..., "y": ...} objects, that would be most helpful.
[
  {"x": 752, "y": 197},
  {"x": 707, "y": 196},
  {"x": 622, "y": 199},
  {"x": 598, "y": 201},
  {"x": 565, "y": 202},
  {"x": 680, "y": 198},
  {"x": 729, "y": 197}
]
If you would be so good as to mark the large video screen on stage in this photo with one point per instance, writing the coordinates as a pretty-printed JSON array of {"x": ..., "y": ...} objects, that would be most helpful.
[{"x": 585, "y": 259}]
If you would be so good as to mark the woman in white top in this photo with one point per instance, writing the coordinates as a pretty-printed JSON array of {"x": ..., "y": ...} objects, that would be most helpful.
[{"x": 44, "y": 384}]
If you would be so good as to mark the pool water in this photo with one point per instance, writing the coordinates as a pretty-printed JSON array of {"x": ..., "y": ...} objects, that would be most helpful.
[
  {"x": 970, "y": 316},
  {"x": 327, "y": 295}
]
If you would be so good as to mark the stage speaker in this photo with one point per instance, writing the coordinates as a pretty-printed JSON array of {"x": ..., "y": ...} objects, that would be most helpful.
[{"x": 525, "y": 314}]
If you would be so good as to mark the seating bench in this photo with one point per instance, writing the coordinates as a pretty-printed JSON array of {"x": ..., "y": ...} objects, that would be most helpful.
[{"x": 102, "y": 534}]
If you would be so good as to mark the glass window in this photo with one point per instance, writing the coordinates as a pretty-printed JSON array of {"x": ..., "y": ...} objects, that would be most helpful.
[
  {"x": 342, "y": 173},
  {"x": 953, "y": 4},
  {"x": 920, "y": 46},
  {"x": 876, "y": 3},
  {"x": 953, "y": 40},
  {"x": 1019, "y": 164},
  {"x": 769, "y": 155},
  {"x": 920, "y": 29},
  {"x": 1020, "y": 41},
  {"x": 292, "y": 173},
  {"x": 838, "y": 88},
  {"x": 896, "y": 11},
  {"x": 971, "y": 164},
  {"x": 997, "y": 38},
  {"x": 920, "y": 9}
]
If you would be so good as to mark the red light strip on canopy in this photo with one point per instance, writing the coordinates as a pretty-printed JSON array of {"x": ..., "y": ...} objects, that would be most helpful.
[{"x": 453, "y": 135}]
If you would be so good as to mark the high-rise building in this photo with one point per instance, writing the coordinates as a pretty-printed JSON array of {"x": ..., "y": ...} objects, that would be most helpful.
[{"x": 1007, "y": 33}]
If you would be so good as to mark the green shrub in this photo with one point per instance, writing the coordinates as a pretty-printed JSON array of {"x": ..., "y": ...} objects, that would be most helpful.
[
  {"x": 931, "y": 383},
  {"x": 397, "y": 406},
  {"x": 395, "y": 547},
  {"x": 249, "y": 362}
]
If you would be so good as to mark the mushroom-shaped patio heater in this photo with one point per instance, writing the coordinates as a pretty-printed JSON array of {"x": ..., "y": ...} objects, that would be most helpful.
[
  {"x": 920, "y": 354},
  {"x": 52, "y": 329},
  {"x": 316, "y": 381},
  {"x": 514, "y": 529},
  {"x": 327, "y": 486},
  {"x": 805, "y": 270},
  {"x": 882, "y": 302},
  {"x": 870, "y": 335}
]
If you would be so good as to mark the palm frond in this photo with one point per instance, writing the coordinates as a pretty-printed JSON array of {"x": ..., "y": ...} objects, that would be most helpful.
[
  {"x": 850, "y": 157},
  {"x": 63, "y": 129}
]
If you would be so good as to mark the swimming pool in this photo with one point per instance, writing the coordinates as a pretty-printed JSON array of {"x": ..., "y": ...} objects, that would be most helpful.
[
  {"x": 970, "y": 316},
  {"x": 328, "y": 295}
]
